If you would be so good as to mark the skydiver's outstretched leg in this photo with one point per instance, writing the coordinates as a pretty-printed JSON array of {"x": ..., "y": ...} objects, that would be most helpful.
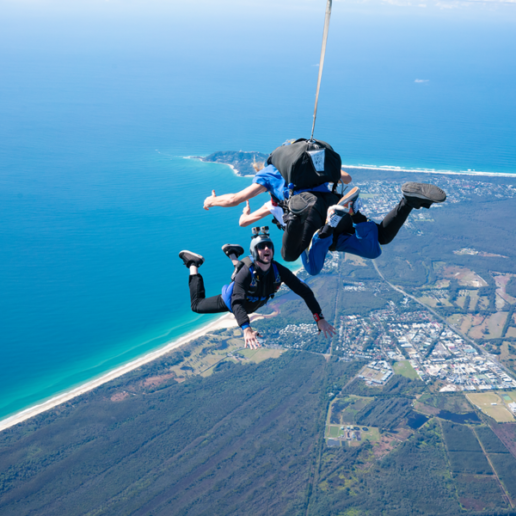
[
  {"x": 415, "y": 196},
  {"x": 233, "y": 251},
  {"x": 200, "y": 303},
  {"x": 356, "y": 235},
  {"x": 388, "y": 228}
]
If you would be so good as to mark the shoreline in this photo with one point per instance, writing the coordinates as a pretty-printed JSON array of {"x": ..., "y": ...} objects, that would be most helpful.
[
  {"x": 232, "y": 167},
  {"x": 386, "y": 168},
  {"x": 225, "y": 321}
]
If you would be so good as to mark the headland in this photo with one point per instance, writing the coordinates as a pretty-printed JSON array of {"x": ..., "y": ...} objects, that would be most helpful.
[{"x": 241, "y": 162}]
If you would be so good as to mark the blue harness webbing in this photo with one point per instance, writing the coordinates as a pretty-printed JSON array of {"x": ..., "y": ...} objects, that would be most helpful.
[{"x": 227, "y": 290}]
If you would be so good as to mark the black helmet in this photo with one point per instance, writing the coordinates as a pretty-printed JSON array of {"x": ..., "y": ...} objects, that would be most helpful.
[{"x": 260, "y": 235}]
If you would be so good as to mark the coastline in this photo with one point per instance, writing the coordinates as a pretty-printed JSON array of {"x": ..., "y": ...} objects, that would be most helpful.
[
  {"x": 225, "y": 321},
  {"x": 388, "y": 168},
  {"x": 385, "y": 168},
  {"x": 232, "y": 167}
]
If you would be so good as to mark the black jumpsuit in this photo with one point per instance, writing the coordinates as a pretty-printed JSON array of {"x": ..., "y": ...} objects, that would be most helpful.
[{"x": 242, "y": 303}]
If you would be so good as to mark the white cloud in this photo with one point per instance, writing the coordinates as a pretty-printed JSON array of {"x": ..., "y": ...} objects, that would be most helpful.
[{"x": 422, "y": 80}]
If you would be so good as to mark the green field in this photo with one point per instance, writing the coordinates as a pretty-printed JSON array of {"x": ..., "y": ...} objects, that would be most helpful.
[
  {"x": 405, "y": 369},
  {"x": 333, "y": 431},
  {"x": 491, "y": 404},
  {"x": 511, "y": 395},
  {"x": 261, "y": 354},
  {"x": 373, "y": 435}
]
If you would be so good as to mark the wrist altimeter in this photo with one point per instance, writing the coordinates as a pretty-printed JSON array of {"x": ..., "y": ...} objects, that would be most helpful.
[{"x": 317, "y": 318}]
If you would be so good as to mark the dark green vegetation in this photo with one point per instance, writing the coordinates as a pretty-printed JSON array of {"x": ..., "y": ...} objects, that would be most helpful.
[
  {"x": 489, "y": 441},
  {"x": 466, "y": 455},
  {"x": 469, "y": 460},
  {"x": 240, "y": 160},
  {"x": 505, "y": 466},
  {"x": 480, "y": 492},
  {"x": 206, "y": 446},
  {"x": 347, "y": 410},
  {"x": 452, "y": 402},
  {"x": 248, "y": 436},
  {"x": 410, "y": 480},
  {"x": 384, "y": 413},
  {"x": 460, "y": 438}
]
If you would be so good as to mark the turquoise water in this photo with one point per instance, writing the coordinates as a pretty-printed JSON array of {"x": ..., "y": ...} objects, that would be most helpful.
[{"x": 96, "y": 118}]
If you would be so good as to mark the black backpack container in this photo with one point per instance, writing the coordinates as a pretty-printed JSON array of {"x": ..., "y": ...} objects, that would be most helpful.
[{"x": 306, "y": 163}]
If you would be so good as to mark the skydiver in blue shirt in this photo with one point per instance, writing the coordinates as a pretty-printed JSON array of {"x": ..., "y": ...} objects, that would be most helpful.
[{"x": 299, "y": 230}]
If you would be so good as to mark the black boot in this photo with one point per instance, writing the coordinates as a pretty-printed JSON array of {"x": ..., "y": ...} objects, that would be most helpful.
[
  {"x": 422, "y": 195},
  {"x": 190, "y": 258},
  {"x": 235, "y": 249}
]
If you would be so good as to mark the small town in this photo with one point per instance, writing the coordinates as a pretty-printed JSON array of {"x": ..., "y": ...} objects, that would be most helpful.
[
  {"x": 434, "y": 351},
  {"x": 381, "y": 196}
]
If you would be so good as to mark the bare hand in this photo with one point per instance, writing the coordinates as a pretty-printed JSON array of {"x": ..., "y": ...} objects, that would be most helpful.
[
  {"x": 208, "y": 202},
  {"x": 250, "y": 338},
  {"x": 327, "y": 329},
  {"x": 247, "y": 209},
  {"x": 345, "y": 177}
]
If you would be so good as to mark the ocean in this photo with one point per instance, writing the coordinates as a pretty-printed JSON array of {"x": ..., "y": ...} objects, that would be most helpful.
[{"x": 98, "y": 113}]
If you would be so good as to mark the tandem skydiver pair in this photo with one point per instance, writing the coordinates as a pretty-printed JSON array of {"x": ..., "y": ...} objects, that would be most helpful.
[
  {"x": 302, "y": 178},
  {"x": 311, "y": 214}
]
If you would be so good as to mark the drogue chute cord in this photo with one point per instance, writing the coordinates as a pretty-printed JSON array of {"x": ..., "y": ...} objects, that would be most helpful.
[{"x": 321, "y": 61}]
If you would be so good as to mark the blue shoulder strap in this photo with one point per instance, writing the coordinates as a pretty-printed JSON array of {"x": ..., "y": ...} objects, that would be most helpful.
[{"x": 277, "y": 277}]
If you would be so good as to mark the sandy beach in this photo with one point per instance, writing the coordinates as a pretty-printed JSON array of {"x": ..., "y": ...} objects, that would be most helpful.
[
  {"x": 387, "y": 168},
  {"x": 226, "y": 321}
]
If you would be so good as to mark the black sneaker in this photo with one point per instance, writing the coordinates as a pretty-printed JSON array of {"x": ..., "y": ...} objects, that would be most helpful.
[
  {"x": 235, "y": 249},
  {"x": 422, "y": 195},
  {"x": 191, "y": 258}
]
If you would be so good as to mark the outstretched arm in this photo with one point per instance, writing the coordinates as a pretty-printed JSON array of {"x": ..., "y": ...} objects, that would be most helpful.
[
  {"x": 248, "y": 218},
  {"x": 230, "y": 200}
]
